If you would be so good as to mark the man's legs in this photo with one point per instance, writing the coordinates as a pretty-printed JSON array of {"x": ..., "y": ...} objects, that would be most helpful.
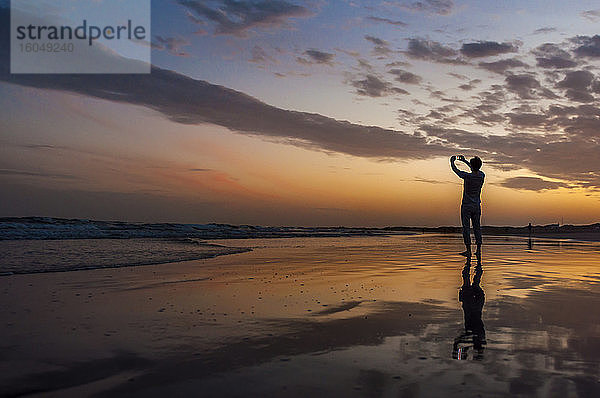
[
  {"x": 476, "y": 219},
  {"x": 465, "y": 216}
]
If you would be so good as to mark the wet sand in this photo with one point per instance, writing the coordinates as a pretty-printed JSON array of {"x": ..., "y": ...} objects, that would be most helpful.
[{"x": 359, "y": 316}]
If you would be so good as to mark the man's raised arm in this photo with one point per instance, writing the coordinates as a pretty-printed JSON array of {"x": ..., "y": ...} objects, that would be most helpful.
[{"x": 455, "y": 169}]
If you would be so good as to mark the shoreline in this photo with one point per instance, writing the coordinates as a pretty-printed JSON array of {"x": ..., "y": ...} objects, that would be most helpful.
[
  {"x": 23, "y": 257},
  {"x": 210, "y": 250}
]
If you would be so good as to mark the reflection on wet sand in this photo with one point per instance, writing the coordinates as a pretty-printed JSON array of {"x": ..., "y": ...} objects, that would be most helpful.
[
  {"x": 472, "y": 297},
  {"x": 347, "y": 317}
]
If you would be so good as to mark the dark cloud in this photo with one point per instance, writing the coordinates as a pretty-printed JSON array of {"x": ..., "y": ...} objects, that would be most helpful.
[
  {"x": 544, "y": 30},
  {"x": 523, "y": 85},
  {"x": 551, "y": 56},
  {"x": 563, "y": 144},
  {"x": 555, "y": 63},
  {"x": 377, "y": 41},
  {"x": 577, "y": 80},
  {"x": 587, "y": 46},
  {"x": 364, "y": 65},
  {"x": 565, "y": 147},
  {"x": 532, "y": 184},
  {"x": 405, "y": 76},
  {"x": 526, "y": 86},
  {"x": 503, "y": 65},
  {"x": 397, "y": 63},
  {"x": 189, "y": 101},
  {"x": 592, "y": 15},
  {"x": 440, "y": 7},
  {"x": 527, "y": 120},
  {"x": 406, "y": 116},
  {"x": 458, "y": 76},
  {"x": 36, "y": 174},
  {"x": 260, "y": 56},
  {"x": 578, "y": 84},
  {"x": 469, "y": 86},
  {"x": 232, "y": 17},
  {"x": 171, "y": 44},
  {"x": 381, "y": 46},
  {"x": 432, "y": 51},
  {"x": 486, "y": 112},
  {"x": 386, "y": 20},
  {"x": 439, "y": 115},
  {"x": 487, "y": 49},
  {"x": 372, "y": 86},
  {"x": 316, "y": 57},
  {"x": 579, "y": 96}
]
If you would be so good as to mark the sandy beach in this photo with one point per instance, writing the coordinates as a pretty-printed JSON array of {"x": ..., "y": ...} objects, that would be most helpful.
[
  {"x": 359, "y": 316},
  {"x": 299, "y": 198}
]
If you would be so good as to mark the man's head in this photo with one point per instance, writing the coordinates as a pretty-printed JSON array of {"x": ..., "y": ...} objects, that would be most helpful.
[{"x": 475, "y": 163}]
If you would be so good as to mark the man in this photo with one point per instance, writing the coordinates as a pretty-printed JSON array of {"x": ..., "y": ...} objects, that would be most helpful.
[{"x": 470, "y": 209}]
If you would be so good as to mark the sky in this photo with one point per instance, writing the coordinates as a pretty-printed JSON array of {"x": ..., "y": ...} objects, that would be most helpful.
[{"x": 318, "y": 113}]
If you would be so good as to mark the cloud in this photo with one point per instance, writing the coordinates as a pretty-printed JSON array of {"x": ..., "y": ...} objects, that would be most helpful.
[
  {"x": 591, "y": 15},
  {"x": 381, "y": 46},
  {"x": 544, "y": 30},
  {"x": 429, "y": 50},
  {"x": 550, "y": 56},
  {"x": 526, "y": 86},
  {"x": 531, "y": 184},
  {"x": 577, "y": 80},
  {"x": 235, "y": 18},
  {"x": 458, "y": 76},
  {"x": 185, "y": 100},
  {"x": 469, "y": 86},
  {"x": 439, "y": 7},
  {"x": 386, "y": 20},
  {"x": 486, "y": 49},
  {"x": 578, "y": 84},
  {"x": 503, "y": 65},
  {"x": 523, "y": 85},
  {"x": 486, "y": 113},
  {"x": 189, "y": 101},
  {"x": 372, "y": 86},
  {"x": 397, "y": 63},
  {"x": 564, "y": 147},
  {"x": 588, "y": 46},
  {"x": 316, "y": 57},
  {"x": 563, "y": 144},
  {"x": 527, "y": 120},
  {"x": 35, "y": 174},
  {"x": 555, "y": 63},
  {"x": 171, "y": 44},
  {"x": 579, "y": 96},
  {"x": 260, "y": 56},
  {"x": 403, "y": 76}
]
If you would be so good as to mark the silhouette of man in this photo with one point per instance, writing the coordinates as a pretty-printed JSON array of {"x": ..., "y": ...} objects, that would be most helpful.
[{"x": 470, "y": 208}]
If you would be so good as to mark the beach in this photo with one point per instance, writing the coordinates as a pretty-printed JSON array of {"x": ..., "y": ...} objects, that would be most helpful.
[{"x": 337, "y": 316}]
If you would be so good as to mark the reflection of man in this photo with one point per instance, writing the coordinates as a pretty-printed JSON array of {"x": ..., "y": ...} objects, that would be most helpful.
[
  {"x": 472, "y": 297},
  {"x": 470, "y": 209}
]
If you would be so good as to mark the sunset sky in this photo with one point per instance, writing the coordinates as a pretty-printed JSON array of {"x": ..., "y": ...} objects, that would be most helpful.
[{"x": 318, "y": 113}]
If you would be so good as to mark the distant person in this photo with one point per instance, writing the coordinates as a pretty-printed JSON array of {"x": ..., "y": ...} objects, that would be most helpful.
[{"x": 470, "y": 209}]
